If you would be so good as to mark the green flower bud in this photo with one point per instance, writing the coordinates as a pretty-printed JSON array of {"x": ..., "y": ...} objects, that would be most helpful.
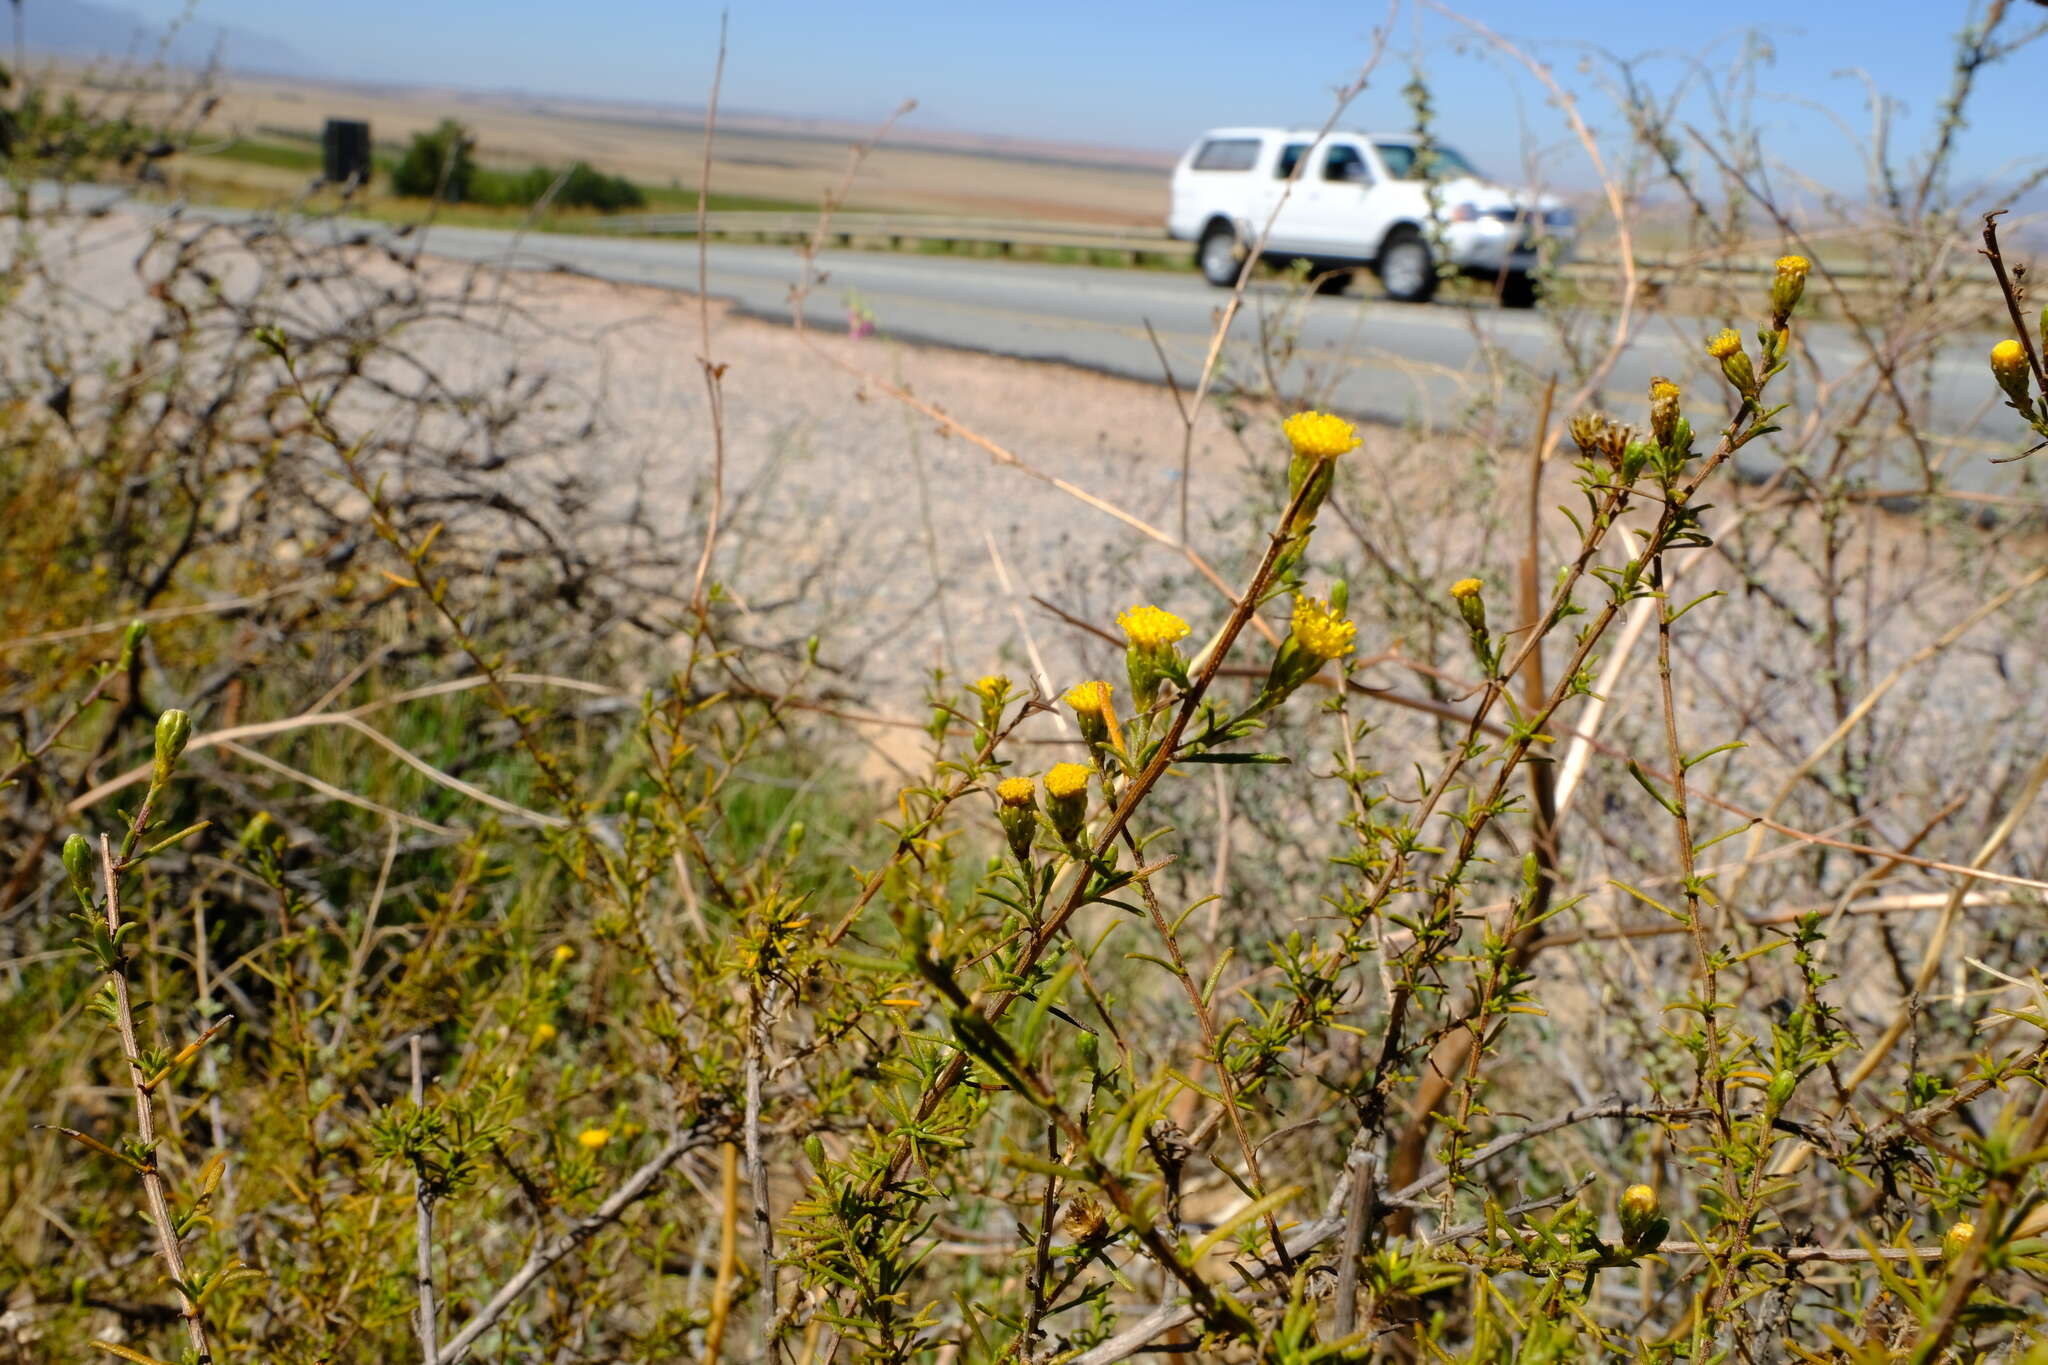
[
  {"x": 78, "y": 865},
  {"x": 1642, "y": 1229},
  {"x": 1066, "y": 799},
  {"x": 1018, "y": 810},
  {"x": 173, "y": 729}
]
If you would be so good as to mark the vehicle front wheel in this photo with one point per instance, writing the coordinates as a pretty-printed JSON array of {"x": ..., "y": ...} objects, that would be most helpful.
[
  {"x": 1217, "y": 256},
  {"x": 1407, "y": 273}
]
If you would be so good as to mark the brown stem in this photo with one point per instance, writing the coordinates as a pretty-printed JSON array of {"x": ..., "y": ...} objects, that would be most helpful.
[{"x": 145, "y": 1124}]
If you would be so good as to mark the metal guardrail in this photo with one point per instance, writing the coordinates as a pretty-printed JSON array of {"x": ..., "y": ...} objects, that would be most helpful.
[{"x": 897, "y": 230}]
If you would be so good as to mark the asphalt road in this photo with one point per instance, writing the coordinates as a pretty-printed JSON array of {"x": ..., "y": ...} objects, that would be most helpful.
[{"x": 1356, "y": 354}]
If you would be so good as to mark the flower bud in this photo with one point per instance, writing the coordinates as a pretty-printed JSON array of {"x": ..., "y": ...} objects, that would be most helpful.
[
  {"x": 1467, "y": 593},
  {"x": 1726, "y": 347},
  {"x": 1957, "y": 1240},
  {"x": 1018, "y": 810},
  {"x": 2010, "y": 368},
  {"x": 1066, "y": 799},
  {"x": 1787, "y": 288},
  {"x": 1664, "y": 413},
  {"x": 78, "y": 866},
  {"x": 173, "y": 729},
  {"x": 131, "y": 640},
  {"x": 814, "y": 1152},
  {"x": 994, "y": 691},
  {"x": 1642, "y": 1228}
]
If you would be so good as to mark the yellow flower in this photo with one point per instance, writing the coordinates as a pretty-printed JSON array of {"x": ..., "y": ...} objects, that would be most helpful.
[
  {"x": 563, "y": 954},
  {"x": 1467, "y": 587},
  {"x": 1787, "y": 288},
  {"x": 1321, "y": 631},
  {"x": 1149, "y": 627},
  {"x": 2008, "y": 360},
  {"x": 1319, "y": 436},
  {"x": 2010, "y": 368},
  {"x": 1014, "y": 791},
  {"x": 1089, "y": 698},
  {"x": 1094, "y": 713},
  {"x": 991, "y": 687},
  {"x": 543, "y": 1034},
  {"x": 1663, "y": 411},
  {"x": 1067, "y": 780},
  {"x": 1956, "y": 1240},
  {"x": 1724, "y": 343},
  {"x": 590, "y": 1139},
  {"x": 1641, "y": 1228}
]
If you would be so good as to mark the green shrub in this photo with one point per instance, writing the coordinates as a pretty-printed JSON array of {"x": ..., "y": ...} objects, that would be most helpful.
[{"x": 437, "y": 165}]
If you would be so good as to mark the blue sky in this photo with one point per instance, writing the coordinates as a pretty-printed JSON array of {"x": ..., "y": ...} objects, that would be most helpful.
[{"x": 1153, "y": 75}]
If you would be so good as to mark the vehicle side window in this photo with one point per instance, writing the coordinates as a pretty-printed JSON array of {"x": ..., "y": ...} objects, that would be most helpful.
[
  {"x": 1398, "y": 158},
  {"x": 1346, "y": 165},
  {"x": 1290, "y": 157},
  {"x": 1227, "y": 154}
]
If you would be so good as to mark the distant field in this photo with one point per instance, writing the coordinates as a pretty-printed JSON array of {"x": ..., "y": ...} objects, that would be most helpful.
[{"x": 271, "y": 126}]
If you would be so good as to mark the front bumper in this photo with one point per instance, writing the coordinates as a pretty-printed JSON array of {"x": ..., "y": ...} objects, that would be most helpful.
[{"x": 1490, "y": 246}]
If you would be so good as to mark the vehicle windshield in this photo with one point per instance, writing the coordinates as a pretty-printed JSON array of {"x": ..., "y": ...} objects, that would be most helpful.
[{"x": 1444, "y": 164}]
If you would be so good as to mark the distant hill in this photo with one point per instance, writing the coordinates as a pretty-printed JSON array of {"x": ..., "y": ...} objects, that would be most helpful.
[{"x": 82, "y": 29}]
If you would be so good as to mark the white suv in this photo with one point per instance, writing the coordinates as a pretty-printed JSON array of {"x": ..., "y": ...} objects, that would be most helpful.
[{"x": 1358, "y": 199}]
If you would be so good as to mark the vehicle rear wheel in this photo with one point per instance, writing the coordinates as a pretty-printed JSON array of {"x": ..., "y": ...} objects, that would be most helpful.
[
  {"x": 1518, "y": 290},
  {"x": 1407, "y": 273},
  {"x": 1217, "y": 256}
]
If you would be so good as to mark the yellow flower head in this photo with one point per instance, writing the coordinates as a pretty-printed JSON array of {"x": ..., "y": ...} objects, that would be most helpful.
[
  {"x": 1956, "y": 1239},
  {"x": 1151, "y": 628},
  {"x": 564, "y": 954},
  {"x": 1467, "y": 587},
  {"x": 1321, "y": 631},
  {"x": 1067, "y": 780},
  {"x": 543, "y": 1034},
  {"x": 1319, "y": 436},
  {"x": 2008, "y": 357},
  {"x": 590, "y": 1139},
  {"x": 1724, "y": 343},
  {"x": 1794, "y": 265},
  {"x": 1663, "y": 411},
  {"x": 991, "y": 687},
  {"x": 1089, "y": 698},
  {"x": 1638, "y": 1202},
  {"x": 1014, "y": 791}
]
